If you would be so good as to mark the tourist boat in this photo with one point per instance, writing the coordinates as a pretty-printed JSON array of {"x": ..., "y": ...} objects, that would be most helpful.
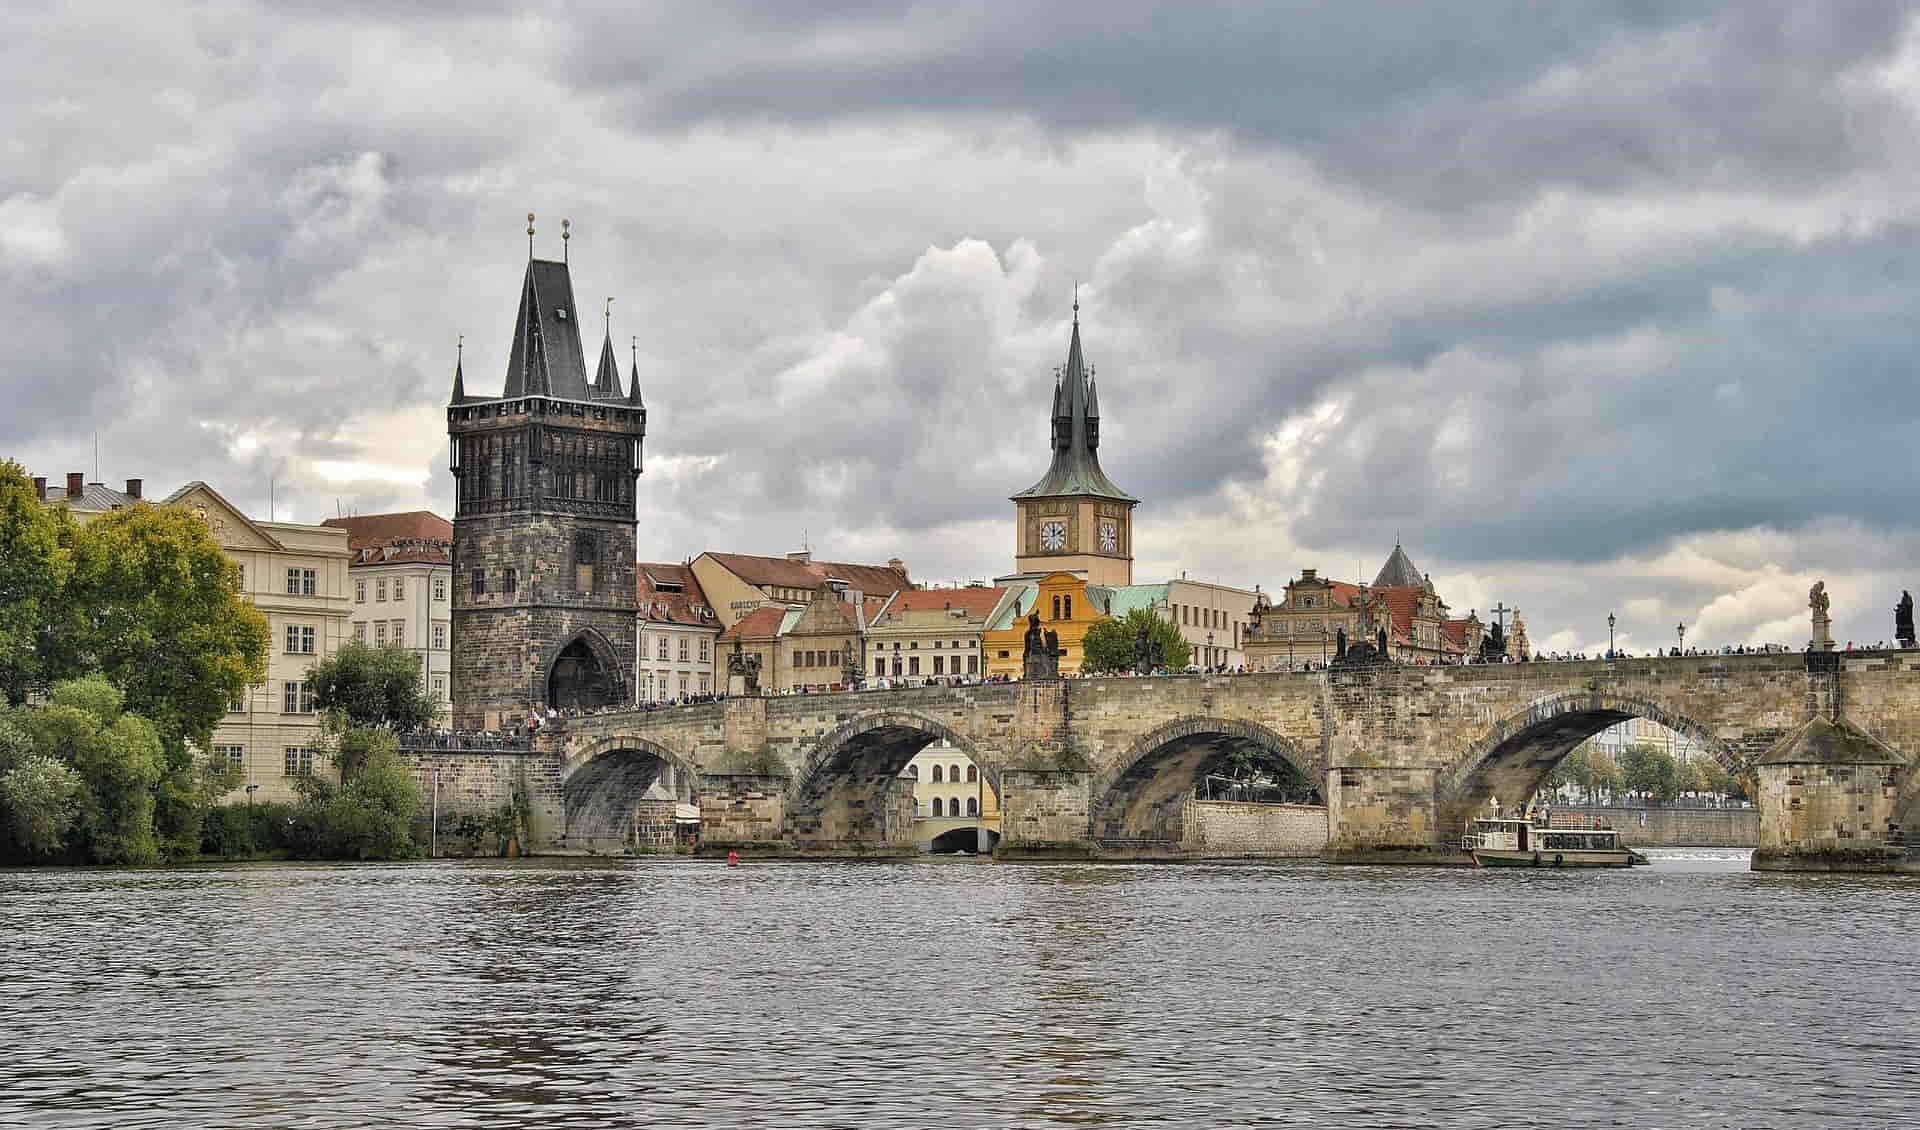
[{"x": 1530, "y": 841}]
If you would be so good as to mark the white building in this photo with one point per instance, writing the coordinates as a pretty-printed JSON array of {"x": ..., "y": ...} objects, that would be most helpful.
[
  {"x": 1212, "y": 618},
  {"x": 677, "y": 637},
  {"x": 402, "y": 569}
]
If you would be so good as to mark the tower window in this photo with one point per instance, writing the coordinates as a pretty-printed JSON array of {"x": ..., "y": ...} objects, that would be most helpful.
[
  {"x": 585, "y": 556},
  {"x": 509, "y": 580},
  {"x": 479, "y": 582}
]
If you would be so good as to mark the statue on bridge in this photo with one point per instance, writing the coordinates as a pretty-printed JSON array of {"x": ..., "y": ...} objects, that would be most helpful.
[
  {"x": 1903, "y": 619},
  {"x": 743, "y": 673},
  {"x": 1146, "y": 652},
  {"x": 1822, "y": 622},
  {"x": 1360, "y": 653},
  {"x": 1040, "y": 658},
  {"x": 1493, "y": 645}
]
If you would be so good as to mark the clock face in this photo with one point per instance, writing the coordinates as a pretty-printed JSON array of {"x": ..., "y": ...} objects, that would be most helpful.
[
  {"x": 1110, "y": 537},
  {"x": 1053, "y": 535}
]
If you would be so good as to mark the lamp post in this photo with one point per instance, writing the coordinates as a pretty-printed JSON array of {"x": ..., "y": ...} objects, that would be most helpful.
[
  {"x": 1610, "y": 647},
  {"x": 1209, "y": 649},
  {"x": 250, "y": 789},
  {"x": 1682, "y": 629}
]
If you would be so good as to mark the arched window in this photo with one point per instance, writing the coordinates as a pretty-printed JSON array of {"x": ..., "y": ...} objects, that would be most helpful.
[
  {"x": 973, "y": 774},
  {"x": 1056, "y": 606},
  {"x": 913, "y": 771},
  {"x": 1068, "y": 604},
  {"x": 973, "y": 806},
  {"x": 953, "y": 773},
  {"x": 937, "y": 776},
  {"x": 936, "y": 800}
]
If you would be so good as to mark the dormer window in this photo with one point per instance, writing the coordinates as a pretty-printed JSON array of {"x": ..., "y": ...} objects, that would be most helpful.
[{"x": 560, "y": 312}]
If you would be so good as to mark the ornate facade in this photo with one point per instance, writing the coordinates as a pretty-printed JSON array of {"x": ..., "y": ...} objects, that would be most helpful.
[{"x": 1306, "y": 625}]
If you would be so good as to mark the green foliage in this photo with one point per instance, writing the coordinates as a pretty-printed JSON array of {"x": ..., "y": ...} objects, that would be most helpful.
[
  {"x": 369, "y": 816},
  {"x": 154, "y": 605},
  {"x": 41, "y": 799},
  {"x": 1608, "y": 779},
  {"x": 1575, "y": 769},
  {"x": 119, "y": 761},
  {"x": 1650, "y": 772},
  {"x": 1109, "y": 644},
  {"x": 34, "y": 564},
  {"x": 236, "y": 830},
  {"x": 372, "y": 686}
]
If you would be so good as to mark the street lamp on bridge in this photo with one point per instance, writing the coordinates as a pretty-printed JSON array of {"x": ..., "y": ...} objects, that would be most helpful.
[
  {"x": 1610, "y": 647},
  {"x": 1682, "y": 629}
]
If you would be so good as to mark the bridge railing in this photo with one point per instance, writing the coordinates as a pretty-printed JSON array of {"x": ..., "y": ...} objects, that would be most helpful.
[{"x": 464, "y": 741}]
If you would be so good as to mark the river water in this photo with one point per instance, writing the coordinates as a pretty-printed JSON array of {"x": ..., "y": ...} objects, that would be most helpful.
[{"x": 558, "y": 993}]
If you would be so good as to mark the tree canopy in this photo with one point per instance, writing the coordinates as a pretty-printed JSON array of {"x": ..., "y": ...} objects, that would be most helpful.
[
  {"x": 372, "y": 686},
  {"x": 35, "y": 560},
  {"x": 1109, "y": 644}
]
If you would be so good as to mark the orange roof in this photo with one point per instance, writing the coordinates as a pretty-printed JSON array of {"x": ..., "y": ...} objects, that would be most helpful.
[
  {"x": 977, "y": 602},
  {"x": 763, "y": 571},
  {"x": 379, "y": 529},
  {"x": 762, "y": 623},
  {"x": 666, "y": 607}
]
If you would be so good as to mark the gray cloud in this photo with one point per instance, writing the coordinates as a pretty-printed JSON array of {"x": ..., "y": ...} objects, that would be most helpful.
[{"x": 1592, "y": 303}]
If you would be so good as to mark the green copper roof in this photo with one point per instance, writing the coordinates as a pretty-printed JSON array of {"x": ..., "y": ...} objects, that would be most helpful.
[
  {"x": 1076, "y": 436},
  {"x": 1126, "y": 598}
]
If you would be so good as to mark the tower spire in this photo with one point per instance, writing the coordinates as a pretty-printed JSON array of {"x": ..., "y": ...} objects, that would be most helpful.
[
  {"x": 606, "y": 382},
  {"x": 633, "y": 375},
  {"x": 459, "y": 364}
]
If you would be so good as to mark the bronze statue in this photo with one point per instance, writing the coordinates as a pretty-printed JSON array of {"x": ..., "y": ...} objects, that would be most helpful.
[
  {"x": 1903, "y": 619},
  {"x": 1340, "y": 645},
  {"x": 1041, "y": 656}
]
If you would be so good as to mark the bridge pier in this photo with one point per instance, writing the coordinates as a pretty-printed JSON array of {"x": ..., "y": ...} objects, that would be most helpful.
[
  {"x": 1045, "y": 814},
  {"x": 744, "y": 812},
  {"x": 1385, "y": 815}
]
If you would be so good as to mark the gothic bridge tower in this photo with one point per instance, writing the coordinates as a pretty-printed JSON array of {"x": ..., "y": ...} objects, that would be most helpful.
[
  {"x": 1075, "y": 519},
  {"x": 544, "y": 520}
]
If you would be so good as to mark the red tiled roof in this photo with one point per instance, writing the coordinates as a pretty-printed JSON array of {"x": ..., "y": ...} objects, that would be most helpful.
[
  {"x": 379, "y": 529},
  {"x": 976, "y": 602},
  {"x": 761, "y": 624},
  {"x": 780, "y": 571},
  {"x": 671, "y": 607}
]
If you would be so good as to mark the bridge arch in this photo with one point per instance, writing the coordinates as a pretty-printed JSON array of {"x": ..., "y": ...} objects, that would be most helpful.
[
  {"x": 850, "y": 796},
  {"x": 1142, "y": 798},
  {"x": 1516, "y": 755},
  {"x": 603, "y": 782},
  {"x": 583, "y": 670}
]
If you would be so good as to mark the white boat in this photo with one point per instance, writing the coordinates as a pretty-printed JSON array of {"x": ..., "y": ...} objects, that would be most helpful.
[{"x": 1531, "y": 840}]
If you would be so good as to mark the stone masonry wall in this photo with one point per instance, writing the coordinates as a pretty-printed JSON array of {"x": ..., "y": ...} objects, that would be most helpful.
[
  {"x": 1675, "y": 827},
  {"x": 1218, "y": 829},
  {"x": 742, "y": 811},
  {"x": 1044, "y": 813}
]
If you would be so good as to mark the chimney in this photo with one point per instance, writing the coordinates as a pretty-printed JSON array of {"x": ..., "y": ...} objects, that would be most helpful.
[
  {"x": 1307, "y": 574},
  {"x": 40, "y": 487},
  {"x": 76, "y": 484},
  {"x": 800, "y": 556},
  {"x": 133, "y": 489},
  {"x": 896, "y": 565}
]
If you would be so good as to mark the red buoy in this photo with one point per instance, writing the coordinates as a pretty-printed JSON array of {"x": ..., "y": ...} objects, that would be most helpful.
[{"x": 733, "y": 859}]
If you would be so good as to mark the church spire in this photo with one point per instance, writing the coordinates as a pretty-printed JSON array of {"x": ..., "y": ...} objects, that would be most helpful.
[
  {"x": 633, "y": 374},
  {"x": 459, "y": 377},
  {"x": 1076, "y": 431}
]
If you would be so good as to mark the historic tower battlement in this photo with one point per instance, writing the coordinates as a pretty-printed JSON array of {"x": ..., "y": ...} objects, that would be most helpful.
[{"x": 544, "y": 520}]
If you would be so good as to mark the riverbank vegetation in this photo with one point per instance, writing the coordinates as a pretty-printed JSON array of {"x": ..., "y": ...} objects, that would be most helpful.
[
  {"x": 1111, "y": 645},
  {"x": 1644, "y": 773}
]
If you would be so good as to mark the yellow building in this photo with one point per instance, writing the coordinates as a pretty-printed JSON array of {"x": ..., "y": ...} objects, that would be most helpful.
[{"x": 1068, "y": 606}]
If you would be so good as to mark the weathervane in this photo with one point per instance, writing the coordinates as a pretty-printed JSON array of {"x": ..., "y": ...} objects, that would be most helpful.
[
  {"x": 529, "y": 235},
  {"x": 609, "y": 315},
  {"x": 564, "y": 236}
]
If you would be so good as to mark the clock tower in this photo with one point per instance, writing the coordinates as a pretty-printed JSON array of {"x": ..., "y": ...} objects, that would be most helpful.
[{"x": 1075, "y": 519}]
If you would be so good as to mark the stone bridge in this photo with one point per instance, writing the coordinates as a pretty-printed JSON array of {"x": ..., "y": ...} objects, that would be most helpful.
[{"x": 1104, "y": 767}]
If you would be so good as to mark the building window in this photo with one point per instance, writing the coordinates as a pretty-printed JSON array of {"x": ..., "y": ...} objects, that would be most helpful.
[
  {"x": 973, "y": 774},
  {"x": 683, "y": 683},
  {"x": 683, "y": 649},
  {"x": 439, "y": 688},
  {"x": 440, "y": 637},
  {"x": 704, "y": 644},
  {"x": 380, "y": 631},
  {"x": 439, "y": 588},
  {"x": 938, "y": 809},
  {"x": 896, "y": 665},
  {"x": 973, "y": 665},
  {"x": 705, "y": 683},
  {"x": 585, "y": 555},
  {"x": 953, "y": 773},
  {"x": 300, "y": 582},
  {"x": 880, "y": 667},
  {"x": 359, "y": 592},
  {"x": 296, "y": 698},
  {"x": 399, "y": 588},
  {"x": 661, "y": 650},
  {"x": 360, "y": 631},
  {"x": 1067, "y": 603},
  {"x": 913, "y": 771},
  {"x": 238, "y": 705},
  {"x": 939, "y": 665},
  {"x": 833, "y": 660},
  {"x": 379, "y": 588},
  {"x": 300, "y": 639},
  {"x": 973, "y": 806},
  {"x": 913, "y": 665},
  {"x": 937, "y": 778},
  {"x": 230, "y": 756},
  {"x": 479, "y": 582},
  {"x": 399, "y": 631},
  {"x": 299, "y": 761},
  {"x": 509, "y": 580}
]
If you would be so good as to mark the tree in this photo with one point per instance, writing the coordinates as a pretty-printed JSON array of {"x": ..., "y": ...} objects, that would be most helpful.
[
  {"x": 1608, "y": 780},
  {"x": 155, "y": 606},
  {"x": 369, "y": 816},
  {"x": 372, "y": 686},
  {"x": 1650, "y": 771},
  {"x": 1109, "y": 644},
  {"x": 1575, "y": 769},
  {"x": 41, "y": 800},
  {"x": 118, "y": 759},
  {"x": 34, "y": 564}
]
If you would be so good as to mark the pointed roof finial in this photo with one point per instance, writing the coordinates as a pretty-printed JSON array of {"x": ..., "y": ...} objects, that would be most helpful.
[
  {"x": 1076, "y": 302},
  {"x": 529, "y": 235},
  {"x": 565, "y": 235},
  {"x": 459, "y": 377},
  {"x": 608, "y": 315}
]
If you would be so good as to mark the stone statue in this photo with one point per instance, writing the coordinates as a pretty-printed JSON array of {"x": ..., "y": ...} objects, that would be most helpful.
[
  {"x": 1340, "y": 644},
  {"x": 743, "y": 672},
  {"x": 1143, "y": 650},
  {"x": 1903, "y": 619},
  {"x": 1493, "y": 645},
  {"x": 1041, "y": 656},
  {"x": 1383, "y": 645},
  {"x": 1822, "y": 622}
]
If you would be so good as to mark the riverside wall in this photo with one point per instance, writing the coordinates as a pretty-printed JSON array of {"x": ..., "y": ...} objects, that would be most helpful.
[{"x": 1677, "y": 827}]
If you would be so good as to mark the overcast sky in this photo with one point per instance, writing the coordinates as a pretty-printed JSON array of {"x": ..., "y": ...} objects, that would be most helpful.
[{"x": 1596, "y": 306}]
